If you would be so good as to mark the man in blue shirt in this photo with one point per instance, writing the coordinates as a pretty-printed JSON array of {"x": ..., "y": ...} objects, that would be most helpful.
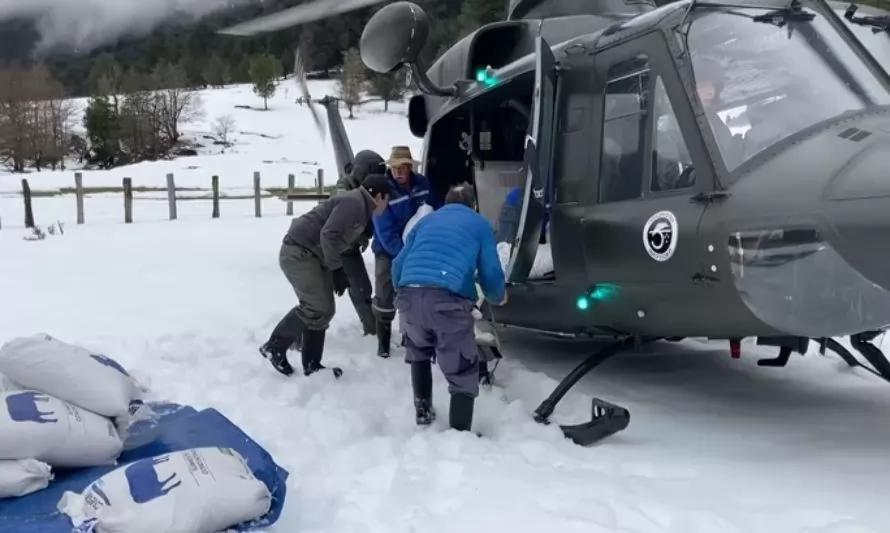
[
  {"x": 435, "y": 276},
  {"x": 408, "y": 191}
]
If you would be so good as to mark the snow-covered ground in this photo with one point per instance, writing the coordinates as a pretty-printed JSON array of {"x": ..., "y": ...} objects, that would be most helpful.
[{"x": 714, "y": 445}]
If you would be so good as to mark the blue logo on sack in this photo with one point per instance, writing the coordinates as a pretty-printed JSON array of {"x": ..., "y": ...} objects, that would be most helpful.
[
  {"x": 25, "y": 407},
  {"x": 109, "y": 362},
  {"x": 145, "y": 484}
]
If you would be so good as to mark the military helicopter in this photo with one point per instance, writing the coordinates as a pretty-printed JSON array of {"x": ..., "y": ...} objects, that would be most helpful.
[{"x": 708, "y": 169}]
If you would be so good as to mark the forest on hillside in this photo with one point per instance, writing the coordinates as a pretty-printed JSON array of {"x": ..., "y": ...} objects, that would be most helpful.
[
  {"x": 208, "y": 58},
  {"x": 141, "y": 90}
]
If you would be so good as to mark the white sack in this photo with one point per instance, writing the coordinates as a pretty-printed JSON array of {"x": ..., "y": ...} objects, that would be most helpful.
[
  {"x": 92, "y": 381},
  {"x": 18, "y": 478},
  {"x": 202, "y": 490},
  {"x": 34, "y": 425},
  {"x": 422, "y": 211},
  {"x": 7, "y": 385},
  {"x": 542, "y": 266}
]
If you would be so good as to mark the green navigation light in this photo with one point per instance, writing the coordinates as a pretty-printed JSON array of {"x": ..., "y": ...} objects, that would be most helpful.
[
  {"x": 486, "y": 76},
  {"x": 597, "y": 293},
  {"x": 602, "y": 292}
]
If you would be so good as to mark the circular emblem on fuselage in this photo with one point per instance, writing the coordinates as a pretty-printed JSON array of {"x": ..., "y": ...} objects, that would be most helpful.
[{"x": 660, "y": 235}]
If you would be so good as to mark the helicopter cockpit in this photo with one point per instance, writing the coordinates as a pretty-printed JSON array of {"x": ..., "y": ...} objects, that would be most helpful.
[{"x": 774, "y": 79}]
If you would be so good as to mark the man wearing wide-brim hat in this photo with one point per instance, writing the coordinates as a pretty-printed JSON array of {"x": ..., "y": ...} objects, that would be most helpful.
[{"x": 408, "y": 191}]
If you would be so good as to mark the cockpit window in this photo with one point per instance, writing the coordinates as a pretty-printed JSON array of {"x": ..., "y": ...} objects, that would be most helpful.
[
  {"x": 763, "y": 78},
  {"x": 877, "y": 42}
]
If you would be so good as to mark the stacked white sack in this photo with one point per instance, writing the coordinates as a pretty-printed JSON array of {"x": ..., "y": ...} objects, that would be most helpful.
[
  {"x": 18, "y": 478},
  {"x": 202, "y": 490},
  {"x": 35, "y": 425},
  {"x": 71, "y": 373}
]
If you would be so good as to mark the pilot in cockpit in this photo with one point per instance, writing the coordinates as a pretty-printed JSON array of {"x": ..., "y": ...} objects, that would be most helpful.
[{"x": 709, "y": 80}]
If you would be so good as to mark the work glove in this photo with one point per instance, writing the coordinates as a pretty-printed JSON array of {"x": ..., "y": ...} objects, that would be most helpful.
[{"x": 341, "y": 282}]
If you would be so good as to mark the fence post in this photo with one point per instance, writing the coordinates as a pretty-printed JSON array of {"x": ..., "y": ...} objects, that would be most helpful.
[
  {"x": 319, "y": 182},
  {"x": 128, "y": 200},
  {"x": 78, "y": 193},
  {"x": 291, "y": 183},
  {"x": 214, "y": 184},
  {"x": 171, "y": 196},
  {"x": 29, "y": 212},
  {"x": 256, "y": 195}
]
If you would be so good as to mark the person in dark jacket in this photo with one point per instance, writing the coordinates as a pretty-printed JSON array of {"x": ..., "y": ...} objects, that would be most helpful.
[
  {"x": 435, "y": 274},
  {"x": 311, "y": 259},
  {"x": 408, "y": 191},
  {"x": 360, "y": 290}
]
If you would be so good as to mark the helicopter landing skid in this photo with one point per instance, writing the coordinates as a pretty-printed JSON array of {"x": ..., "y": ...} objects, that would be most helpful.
[
  {"x": 861, "y": 342},
  {"x": 606, "y": 418}
]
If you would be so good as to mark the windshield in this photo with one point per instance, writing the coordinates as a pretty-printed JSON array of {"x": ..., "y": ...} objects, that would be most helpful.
[{"x": 760, "y": 83}]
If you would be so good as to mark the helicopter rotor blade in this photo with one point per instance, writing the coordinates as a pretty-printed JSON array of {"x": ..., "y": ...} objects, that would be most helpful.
[
  {"x": 300, "y": 77},
  {"x": 295, "y": 16}
]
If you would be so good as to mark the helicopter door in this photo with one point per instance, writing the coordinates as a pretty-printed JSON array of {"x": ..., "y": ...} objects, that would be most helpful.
[{"x": 538, "y": 164}]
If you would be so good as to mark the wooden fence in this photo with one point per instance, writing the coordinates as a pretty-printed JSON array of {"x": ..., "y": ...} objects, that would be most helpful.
[{"x": 289, "y": 195}]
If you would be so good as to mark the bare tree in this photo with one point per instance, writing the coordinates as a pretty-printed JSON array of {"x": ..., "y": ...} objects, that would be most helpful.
[
  {"x": 179, "y": 104},
  {"x": 223, "y": 127},
  {"x": 352, "y": 79},
  {"x": 14, "y": 115}
]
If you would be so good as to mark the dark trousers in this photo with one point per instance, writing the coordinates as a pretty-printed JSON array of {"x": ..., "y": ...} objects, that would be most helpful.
[
  {"x": 312, "y": 283},
  {"x": 384, "y": 292},
  {"x": 360, "y": 290},
  {"x": 437, "y": 325}
]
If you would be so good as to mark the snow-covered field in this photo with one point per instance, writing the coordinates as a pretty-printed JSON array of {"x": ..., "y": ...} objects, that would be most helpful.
[{"x": 714, "y": 445}]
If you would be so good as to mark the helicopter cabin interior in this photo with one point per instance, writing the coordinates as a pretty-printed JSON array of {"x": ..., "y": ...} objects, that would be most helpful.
[{"x": 483, "y": 143}]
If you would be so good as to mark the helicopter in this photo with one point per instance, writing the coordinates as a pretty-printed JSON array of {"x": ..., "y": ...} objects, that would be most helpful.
[{"x": 707, "y": 169}]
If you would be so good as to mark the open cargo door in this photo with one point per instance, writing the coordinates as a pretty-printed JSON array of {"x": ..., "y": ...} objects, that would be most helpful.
[{"x": 538, "y": 165}]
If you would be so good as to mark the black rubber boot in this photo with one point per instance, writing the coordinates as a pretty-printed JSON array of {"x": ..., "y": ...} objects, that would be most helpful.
[
  {"x": 422, "y": 383},
  {"x": 313, "y": 349},
  {"x": 275, "y": 350},
  {"x": 460, "y": 412},
  {"x": 290, "y": 328},
  {"x": 384, "y": 338}
]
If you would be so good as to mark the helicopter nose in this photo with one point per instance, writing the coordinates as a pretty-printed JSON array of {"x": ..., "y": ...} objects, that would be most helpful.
[{"x": 858, "y": 209}]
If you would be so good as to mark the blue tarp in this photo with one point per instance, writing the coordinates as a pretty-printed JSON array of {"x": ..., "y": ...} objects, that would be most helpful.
[{"x": 174, "y": 428}]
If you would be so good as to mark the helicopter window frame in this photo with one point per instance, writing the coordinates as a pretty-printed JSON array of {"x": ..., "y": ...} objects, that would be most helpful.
[
  {"x": 680, "y": 164},
  {"x": 639, "y": 66}
]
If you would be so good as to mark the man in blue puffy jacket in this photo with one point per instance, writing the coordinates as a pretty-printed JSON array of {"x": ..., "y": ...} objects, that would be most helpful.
[
  {"x": 435, "y": 275},
  {"x": 408, "y": 191}
]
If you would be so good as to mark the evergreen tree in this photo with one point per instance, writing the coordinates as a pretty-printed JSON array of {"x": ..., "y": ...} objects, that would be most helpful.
[
  {"x": 217, "y": 72},
  {"x": 264, "y": 76},
  {"x": 102, "y": 127}
]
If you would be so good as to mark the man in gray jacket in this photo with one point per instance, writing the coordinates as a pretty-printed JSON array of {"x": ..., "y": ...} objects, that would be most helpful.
[
  {"x": 366, "y": 162},
  {"x": 311, "y": 260}
]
